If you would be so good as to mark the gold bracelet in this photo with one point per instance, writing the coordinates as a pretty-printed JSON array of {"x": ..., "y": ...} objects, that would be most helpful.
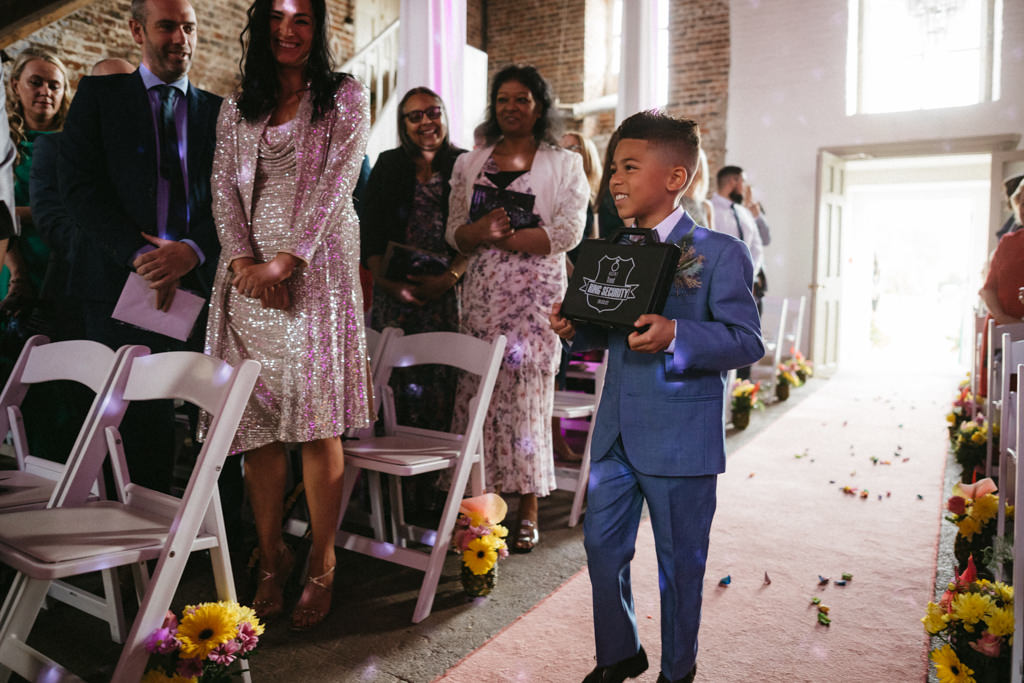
[{"x": 455, "y": 274}]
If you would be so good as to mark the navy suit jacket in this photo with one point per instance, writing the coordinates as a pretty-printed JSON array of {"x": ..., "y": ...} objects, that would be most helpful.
[
  {"x": 669, "y": 408},
  {"x": 108, "y": 180}
]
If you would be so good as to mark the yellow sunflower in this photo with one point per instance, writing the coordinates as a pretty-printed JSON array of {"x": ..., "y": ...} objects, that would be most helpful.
[
  {"x": 935, "y": 620},
  {"x": 499, "y": 531},
  {"x": 479, "y": 556},
  {"x": 1000, "y": 621},
  {"x": 206, "y": 627},
  {"x": 949, "y": 668},
  {"x": 970, "y": 608}
]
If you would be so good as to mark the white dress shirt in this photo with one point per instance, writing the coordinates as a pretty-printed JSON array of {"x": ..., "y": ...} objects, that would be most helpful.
[{"x": 746, "y": 229}]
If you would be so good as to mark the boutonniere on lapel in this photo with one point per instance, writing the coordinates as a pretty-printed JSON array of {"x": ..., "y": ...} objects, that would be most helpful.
[{"x": 690, "y": 265}]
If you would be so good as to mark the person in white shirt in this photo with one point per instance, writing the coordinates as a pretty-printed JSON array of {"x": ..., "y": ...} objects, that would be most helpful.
[{"x": 733, "y": 218}]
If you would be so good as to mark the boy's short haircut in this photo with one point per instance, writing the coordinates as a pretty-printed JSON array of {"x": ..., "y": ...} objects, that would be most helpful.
[{"x": 679, "y": 138}]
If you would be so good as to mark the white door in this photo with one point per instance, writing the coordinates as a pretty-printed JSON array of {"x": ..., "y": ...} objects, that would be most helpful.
[{"x": 826, "y": 290}]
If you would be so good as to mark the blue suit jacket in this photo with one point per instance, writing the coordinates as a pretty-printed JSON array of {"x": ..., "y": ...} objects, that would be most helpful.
[
  {"x": 108, "y": 176},
  {"x": 669, "y": 408}
]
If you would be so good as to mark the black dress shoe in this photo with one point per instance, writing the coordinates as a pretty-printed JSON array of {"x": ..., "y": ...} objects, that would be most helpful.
[
  {"x": 688, "y": 678},
  {"x": 631, "y": 667}
]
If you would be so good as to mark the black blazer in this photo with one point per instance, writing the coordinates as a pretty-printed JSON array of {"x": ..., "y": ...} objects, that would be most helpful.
[
  {"x": 387, "y": 201},
  {"x": 108, "y": 175}
]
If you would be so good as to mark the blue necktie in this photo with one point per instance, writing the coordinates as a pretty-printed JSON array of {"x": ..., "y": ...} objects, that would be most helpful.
[{"x": 170, "y": 165}]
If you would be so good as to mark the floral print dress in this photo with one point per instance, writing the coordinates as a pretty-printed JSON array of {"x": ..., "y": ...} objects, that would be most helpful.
[
  {"x": 511, "y": 293},
  {"x": 423, "y": 395}
]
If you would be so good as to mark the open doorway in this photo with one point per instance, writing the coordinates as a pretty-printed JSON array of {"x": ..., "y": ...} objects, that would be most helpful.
[{"x": 914, "y": 252}]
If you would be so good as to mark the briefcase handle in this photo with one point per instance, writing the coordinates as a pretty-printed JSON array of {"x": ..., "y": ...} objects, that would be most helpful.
[{"x": 650, "y": 236}]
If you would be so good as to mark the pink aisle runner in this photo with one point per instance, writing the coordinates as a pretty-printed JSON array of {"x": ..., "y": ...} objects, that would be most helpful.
[{"x": 787, "y": 516}]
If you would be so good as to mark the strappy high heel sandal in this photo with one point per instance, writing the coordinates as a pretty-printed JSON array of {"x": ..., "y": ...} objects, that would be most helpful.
[
  {"x": 305, "y": 618},
  {"x": 269, "y": 608}
]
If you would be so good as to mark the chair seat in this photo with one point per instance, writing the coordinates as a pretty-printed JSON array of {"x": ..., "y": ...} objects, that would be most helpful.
[
  {"x": 403, "y": 454},
  {"x": 22, "y": 489},
  {"x": 573, "y": 404},
  {"x": 55, "y": 543}
]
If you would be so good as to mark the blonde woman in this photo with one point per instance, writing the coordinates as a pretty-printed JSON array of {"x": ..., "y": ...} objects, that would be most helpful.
[
  {"x": 38, "y": 98},
  {"x": 695, "y": 197}
]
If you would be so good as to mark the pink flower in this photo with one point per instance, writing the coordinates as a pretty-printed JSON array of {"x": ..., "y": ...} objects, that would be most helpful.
[
  {"x": 988, "y": 645},
  {"x": 190, "y": 668},
  {"x": 224, "y": 653},
  {"x": 162, "y": 641},
  {"x": 170, "y": 621},
  {"x": 974, "y": 491},
  {"x": 247, "y": 638},
  {"x": 489, "y": 506},
  {"x": 957, "y": 505}
]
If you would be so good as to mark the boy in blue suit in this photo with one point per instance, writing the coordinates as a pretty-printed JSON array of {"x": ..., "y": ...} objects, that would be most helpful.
[{"x": 660, "y": 431}]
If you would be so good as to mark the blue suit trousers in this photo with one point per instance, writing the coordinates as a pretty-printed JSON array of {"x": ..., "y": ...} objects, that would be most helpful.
[{"x": 681, "y": 510}]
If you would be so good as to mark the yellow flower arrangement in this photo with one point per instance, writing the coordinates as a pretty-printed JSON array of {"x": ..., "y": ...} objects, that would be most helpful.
[
  {"x": 478, "y": 535},
  {"x": 201, "y": 647},
  {"x": 745, "y": 395},
  {"x": 786, "y": 372},
  {"x": 974, "y": 623},
  {"x": 969, "y": 442}
]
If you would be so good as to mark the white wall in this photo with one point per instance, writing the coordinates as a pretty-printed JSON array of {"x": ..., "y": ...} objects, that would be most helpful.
[{"x": 787, "y": 99}]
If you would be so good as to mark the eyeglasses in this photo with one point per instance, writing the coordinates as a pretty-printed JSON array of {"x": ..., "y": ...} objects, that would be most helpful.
[{"x": 416, "y": 115}]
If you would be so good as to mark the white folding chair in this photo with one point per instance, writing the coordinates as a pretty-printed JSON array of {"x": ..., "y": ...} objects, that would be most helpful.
[
  {"x": 773, "y": 330},
  {"x": 1009, "y": 447},
  {"x": 1017, "y": 653},
  {"x": 571, "y": 405},
  {"x": 794, "y": 326},
  {"x": 975, "y": 379},
  {"x": 30, "y": 486},
  {"x": 993, "y": 402},
  {"x": 408, "y": 451},
  {"x": 79, "y": 536}
]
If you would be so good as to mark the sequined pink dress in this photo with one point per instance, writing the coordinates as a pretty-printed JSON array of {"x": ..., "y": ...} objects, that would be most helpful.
[{"x": 289, "y": 188}]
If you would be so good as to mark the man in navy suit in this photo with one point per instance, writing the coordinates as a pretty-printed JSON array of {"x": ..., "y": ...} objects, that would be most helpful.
[
  {"x": 136, "y": 158},
  {"x": 660, "y": 432}
]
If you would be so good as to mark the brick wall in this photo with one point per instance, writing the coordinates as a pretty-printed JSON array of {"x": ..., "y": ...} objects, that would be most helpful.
[
  {"x": 101, "y": 30},
  {"x": 476, "y": 16},
  {"x": 699, "y": 75},
  {"x": 570, "y": 43},
  {"x": 545, "y": 33}
]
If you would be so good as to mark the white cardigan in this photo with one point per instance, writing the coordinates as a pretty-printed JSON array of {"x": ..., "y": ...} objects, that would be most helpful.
[{"x": 558, "y": 181}]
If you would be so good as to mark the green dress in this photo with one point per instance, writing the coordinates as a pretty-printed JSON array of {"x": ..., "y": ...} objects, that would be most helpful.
[{"x": 33, "y": 249}]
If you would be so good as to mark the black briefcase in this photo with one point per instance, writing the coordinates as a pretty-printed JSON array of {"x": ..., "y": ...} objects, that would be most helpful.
[{"x": 613, "y": 284}]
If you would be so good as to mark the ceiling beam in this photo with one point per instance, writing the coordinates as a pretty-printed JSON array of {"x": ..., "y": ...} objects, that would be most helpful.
[{"x": 21, "y": 18}]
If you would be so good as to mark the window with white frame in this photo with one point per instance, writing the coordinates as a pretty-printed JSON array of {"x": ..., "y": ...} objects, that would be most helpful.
[{"x": 905, "y": 55}]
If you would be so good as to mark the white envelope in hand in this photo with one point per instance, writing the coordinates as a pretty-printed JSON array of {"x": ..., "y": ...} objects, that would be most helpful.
[{"x": 137, "y": 306}]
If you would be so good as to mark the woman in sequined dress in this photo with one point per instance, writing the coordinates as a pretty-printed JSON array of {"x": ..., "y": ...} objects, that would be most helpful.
[
  {"x": 406, "y": 203},
  {"x": 289, "y": 147},
  {"x": 516, "y": 271}
]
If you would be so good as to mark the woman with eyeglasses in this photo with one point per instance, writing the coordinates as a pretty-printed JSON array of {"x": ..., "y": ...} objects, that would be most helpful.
[
  {"x": 415, "y": 272},
  {"x": 517, "y": 206}
]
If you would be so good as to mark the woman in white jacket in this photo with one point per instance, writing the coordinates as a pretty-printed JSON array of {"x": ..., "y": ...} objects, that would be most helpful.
[{"x": 516, "y": 207}]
